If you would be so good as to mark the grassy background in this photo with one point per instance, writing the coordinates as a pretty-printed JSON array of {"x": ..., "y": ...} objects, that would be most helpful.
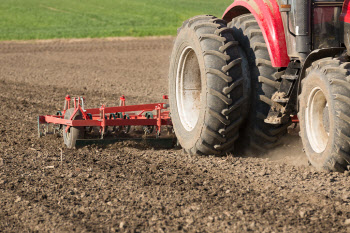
[{"x": 44, "y": 19}]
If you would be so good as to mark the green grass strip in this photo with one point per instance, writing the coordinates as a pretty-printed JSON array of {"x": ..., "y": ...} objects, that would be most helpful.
[{"x": 46, "y": 19}]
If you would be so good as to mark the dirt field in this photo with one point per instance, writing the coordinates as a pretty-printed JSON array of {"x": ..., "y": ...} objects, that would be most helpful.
[{"x": 127, "y": 187}]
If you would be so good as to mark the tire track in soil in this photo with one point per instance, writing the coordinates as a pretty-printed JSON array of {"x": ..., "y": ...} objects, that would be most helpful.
[{"x": 130, "y": 187}]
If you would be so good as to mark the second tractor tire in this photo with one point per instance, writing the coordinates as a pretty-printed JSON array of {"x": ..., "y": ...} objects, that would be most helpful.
[
  {"x": 206, "y": 86},
  {"x": 255, "y": 133}
]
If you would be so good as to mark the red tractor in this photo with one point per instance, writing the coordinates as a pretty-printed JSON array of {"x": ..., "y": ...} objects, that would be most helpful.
[{"x": 239, "y": 81}]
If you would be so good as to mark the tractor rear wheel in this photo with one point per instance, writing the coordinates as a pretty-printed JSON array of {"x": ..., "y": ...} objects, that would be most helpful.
[
  {"x": 255, "y": 133},
  {"x": 70, "y": 137},
  {"x": 206, "y": 86},
  {"x": 325, "y": 114}
]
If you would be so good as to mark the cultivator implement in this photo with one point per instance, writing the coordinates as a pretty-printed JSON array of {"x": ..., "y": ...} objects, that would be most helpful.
[{"x": 105, "y": 125}]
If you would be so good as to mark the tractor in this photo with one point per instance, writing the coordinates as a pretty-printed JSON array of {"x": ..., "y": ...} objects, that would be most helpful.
[{"x": 238, "y": 83}]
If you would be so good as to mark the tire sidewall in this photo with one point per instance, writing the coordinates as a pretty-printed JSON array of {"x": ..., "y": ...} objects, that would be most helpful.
[{"x": 187, "y": 37}]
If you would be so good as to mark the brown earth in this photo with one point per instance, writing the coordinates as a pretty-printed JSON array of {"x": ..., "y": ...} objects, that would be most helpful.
[{"x": 128, "y": 187}]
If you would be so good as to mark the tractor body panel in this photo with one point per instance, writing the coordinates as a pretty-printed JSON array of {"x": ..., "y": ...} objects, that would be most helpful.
[{"x": 269, "y": 18}]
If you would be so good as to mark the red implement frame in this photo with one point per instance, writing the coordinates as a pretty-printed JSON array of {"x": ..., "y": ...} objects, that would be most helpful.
[{"x": 100, "y": 116}]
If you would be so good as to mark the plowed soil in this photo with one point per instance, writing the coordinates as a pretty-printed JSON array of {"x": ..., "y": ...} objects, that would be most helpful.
[{"x": 130, "y": 187}]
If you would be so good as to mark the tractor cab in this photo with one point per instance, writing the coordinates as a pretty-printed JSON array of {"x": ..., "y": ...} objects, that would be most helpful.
[{"x": 311, "y": 25}]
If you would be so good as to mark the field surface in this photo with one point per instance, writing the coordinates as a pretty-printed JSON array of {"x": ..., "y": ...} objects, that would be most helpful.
[
  {"x": 129, "y": 187},
  {"x": 46, "y": 19}
]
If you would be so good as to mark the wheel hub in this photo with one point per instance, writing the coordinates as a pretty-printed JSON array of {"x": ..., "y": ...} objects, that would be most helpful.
[
  {"x": 188, "y": 88},
  {"x": 317, "y": 120}
]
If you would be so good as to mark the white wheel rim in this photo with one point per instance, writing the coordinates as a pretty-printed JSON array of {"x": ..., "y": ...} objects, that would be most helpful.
[
  {"x": 317, "y": 120},
  {"x": 188, "y": 88}
]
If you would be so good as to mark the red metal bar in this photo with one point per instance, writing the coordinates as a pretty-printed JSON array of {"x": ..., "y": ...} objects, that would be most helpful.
[
  {"x": 295, "y": 119},
  {"x": 129, "y": 108},
  {"x": 140, "y": 114},
  {"x": 122, "y": 102},
  {"x": 159, "y": 118},
  {"x": 66, "y": 104},
  {"x": 103, "y": 119},
  {"x": 113, "y": 122}
]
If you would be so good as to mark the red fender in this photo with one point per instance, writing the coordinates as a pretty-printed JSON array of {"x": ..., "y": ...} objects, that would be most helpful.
[
  {"x": 268, "y": 16},
  {"x": 345, "y": 15}
]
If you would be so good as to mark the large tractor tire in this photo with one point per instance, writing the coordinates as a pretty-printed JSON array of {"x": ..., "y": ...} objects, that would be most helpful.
[
  {"x": 255, "y": 133},
  {"x": 325, "y": 114},
  {"x": 206, "y": 86}
]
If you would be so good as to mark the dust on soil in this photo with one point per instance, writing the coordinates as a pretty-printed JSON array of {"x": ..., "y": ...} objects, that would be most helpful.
[{"x": 124, "y": 187}]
